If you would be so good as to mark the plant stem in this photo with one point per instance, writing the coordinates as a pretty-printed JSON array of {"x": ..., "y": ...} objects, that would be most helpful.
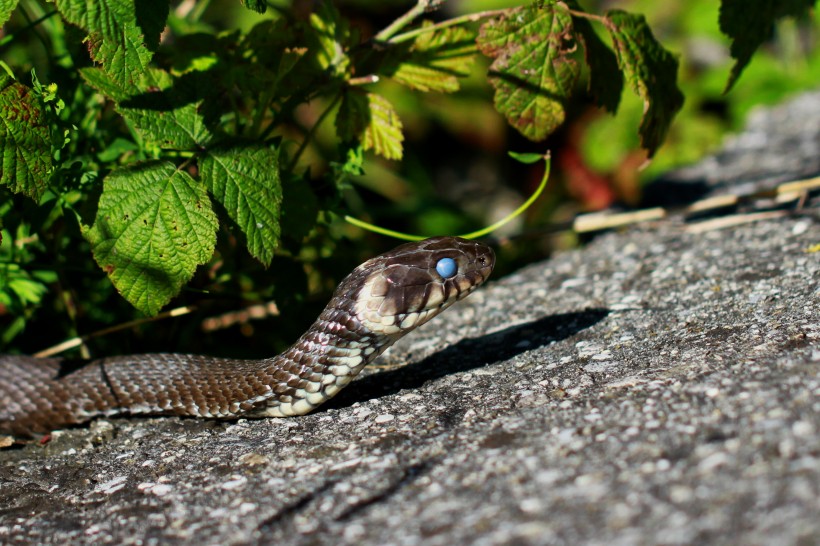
[
  {"x": 32, "y": 24},
  {"x": 9, "y": 38},
  {"x": 472, "y": 235},
  {"x": 391, "y": 29},
  {"x": 469, "y": 18},
  {"x": 262, "y": 108},
  {"x": 312, "y": 131},
  {"x": 363, "y": 80}
]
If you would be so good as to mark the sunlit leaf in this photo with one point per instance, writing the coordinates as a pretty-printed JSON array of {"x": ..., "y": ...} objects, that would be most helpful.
[
  {"x": 6, "y": 7},
  {"x": 154, "y": 226},
  {"x": 25, "y": 143},
  {"x": 244, "y": 179},
  {"x": 436, "y": 60},
  {"x": 651, "y": 72},
  {"x": 370, "y": 119},
  {"x": 159, "y": 112},
  {"x": 122, "y": 34},
  {"x": 533, "y": 72}
]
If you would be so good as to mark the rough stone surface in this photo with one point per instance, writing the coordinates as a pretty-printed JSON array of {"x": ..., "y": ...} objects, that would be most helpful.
[{"x": 656, "y": 387}]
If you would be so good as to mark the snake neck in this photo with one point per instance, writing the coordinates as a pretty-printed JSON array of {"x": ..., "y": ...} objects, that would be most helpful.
[{"x": 323, "y": 361}]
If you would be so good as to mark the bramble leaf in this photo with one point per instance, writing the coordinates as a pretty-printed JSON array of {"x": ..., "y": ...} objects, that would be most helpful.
[
  {"x": 159, "y": 112},
  {"x": 25, "y": 141},
  {"x": 6, "y": 7},
  {"x": 259, "y": 6},
  {"x": 533, "y": 72},
  {"x": 606, "y": 82},
  {"x": 437, "y": 59},
  {"x": 122, "y": 34},
  {"x": 328, "y": 39},
  {"x": 245, "y": 180},
  {"x": 370, "y": 119},
  {"x": 154, "y": 226},
  {"x": 651, "y": 72},
  {"x": 749, "y": 23}
]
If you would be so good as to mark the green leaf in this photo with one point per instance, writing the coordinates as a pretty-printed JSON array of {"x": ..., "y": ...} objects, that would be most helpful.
[
  {"x": 606, "y": 82},
  {"x": 25, "y": 140},
  {"x": 259, "y": 6},
  {"x": 6, "y": 7},
  {"x": 159, "y": 112},
  {"x": 301, "y": 207},
  {"x": 533, "y": 72},
  {"x": 245, "y": 180},
  {"x": 524, "y": 157},
  {"x": 122, "y": 34},
  {"x": 154, "y": 226},
  {"x": 651, "y": 72},
  {"x": 749, "y": 23},
  {"x": 370, "y": 119},
  {"x": 436, "y": 60},
  {"x": 329, "y": 39}
]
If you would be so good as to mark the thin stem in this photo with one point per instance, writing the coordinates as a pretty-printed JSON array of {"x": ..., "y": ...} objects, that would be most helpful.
[
  {"x": 31, "y": 24},
  {"x": 312, "y": 131},
  {"x": 9, "y": 38},
  {"x": 469, "y": 18},
  {"x": 591, "y": 16},
  {"x": 391, "y": 29},
  {"x": 261, "y": 109},
  {"x": 363, "y": 80},
  {"x": 77, "y": 341},
  {"x": 472, "y": 235}
]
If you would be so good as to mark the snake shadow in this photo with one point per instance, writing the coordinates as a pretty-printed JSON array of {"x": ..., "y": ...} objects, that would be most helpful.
[{"x": 468, "y": 354}]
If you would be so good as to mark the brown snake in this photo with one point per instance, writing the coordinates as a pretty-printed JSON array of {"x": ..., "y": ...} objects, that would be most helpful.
[{"x": 379, "y": 302}]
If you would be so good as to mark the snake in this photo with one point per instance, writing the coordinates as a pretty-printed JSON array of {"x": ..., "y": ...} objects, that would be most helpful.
[{"x": 375, "y": 305}]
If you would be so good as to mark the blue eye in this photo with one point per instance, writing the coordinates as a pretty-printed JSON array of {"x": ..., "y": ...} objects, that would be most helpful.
[{"x": 447, "y": 267}]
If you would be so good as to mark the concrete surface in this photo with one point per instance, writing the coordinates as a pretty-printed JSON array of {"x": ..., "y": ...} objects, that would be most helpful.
[{"x": 656, "y": 387}]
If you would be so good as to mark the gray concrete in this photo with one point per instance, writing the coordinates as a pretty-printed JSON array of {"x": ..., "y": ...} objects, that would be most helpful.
[{"x": 656, "y": 387}]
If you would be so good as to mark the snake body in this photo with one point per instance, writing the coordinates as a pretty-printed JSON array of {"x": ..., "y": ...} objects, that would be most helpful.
[{"x": 378, "y": 303}]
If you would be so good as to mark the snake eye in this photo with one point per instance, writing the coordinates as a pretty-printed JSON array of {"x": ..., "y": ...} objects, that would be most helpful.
[{"x": 447, "y": 267}]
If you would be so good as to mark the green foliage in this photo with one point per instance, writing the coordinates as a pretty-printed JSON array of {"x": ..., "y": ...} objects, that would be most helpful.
[
  {"x": 750, "y": 23},
  {"x": 163, "y": 142},
  {"x": 533, "y": 71},
  {"x": 245, "y": 181},
  {"x": 154, "y": 226},
  {"x": 651, "y": 72},
  {"x": 6, "y": 7},
  {"x": 25, "y": 144}
]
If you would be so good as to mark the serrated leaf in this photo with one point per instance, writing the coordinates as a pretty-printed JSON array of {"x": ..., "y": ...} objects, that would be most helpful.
[
  {"x": 370, "y": 119},
  {"x": 154, "y": 226},
  {"x": 25, "y": 141},
  {"x": 245, "y": 180},
  {"x": 259, "y": 6},
  {"x": 157, "y": 110},
  {"x": 651, "y": 72},
  {"x": 122, "y": 34},
  {"x": 749, "y": 23},
  {"x": 436, "y": 60},
  {"x": 6, "y": 7},
  {"x": 606, "y": 82},
  {"x": 328, "y": 39},
  {"x": 533, "y": 72}
]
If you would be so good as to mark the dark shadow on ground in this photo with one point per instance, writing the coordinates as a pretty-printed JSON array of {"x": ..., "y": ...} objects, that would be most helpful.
[{"x": 468, "y": 354}]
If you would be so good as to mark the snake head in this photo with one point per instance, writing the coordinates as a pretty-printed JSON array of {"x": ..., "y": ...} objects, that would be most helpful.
[{"x": 407, "y": 286}]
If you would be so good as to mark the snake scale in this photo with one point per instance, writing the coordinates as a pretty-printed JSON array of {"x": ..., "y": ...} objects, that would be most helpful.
[{"x": 379, "y": 302}]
